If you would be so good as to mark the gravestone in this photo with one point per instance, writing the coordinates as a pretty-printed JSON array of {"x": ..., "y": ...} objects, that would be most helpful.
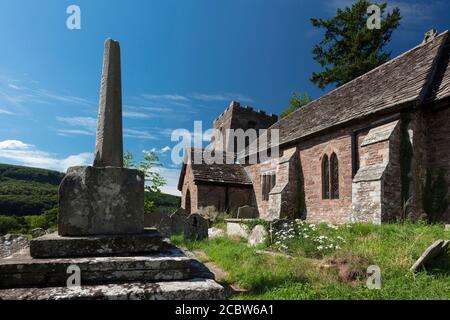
[
  {"x": 196, "y": 227},
  {"x": 247, "y": 212},
  {"x": 215, "y": 233},
  {"x": 165, "y": 225},
  {"x": 436, "y": 249},
  {"x": 257, "y": 236},
  {"x": 178, "y": 219},
  {"x": 152, "y": 219}
]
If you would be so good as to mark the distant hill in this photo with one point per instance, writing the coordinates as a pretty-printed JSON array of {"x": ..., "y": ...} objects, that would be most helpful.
[
  {"x": 31, "y": 191},
  {"x": 27, "y": 191}
]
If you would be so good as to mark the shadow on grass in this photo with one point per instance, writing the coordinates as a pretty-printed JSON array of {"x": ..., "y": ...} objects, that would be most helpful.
[{"x": 440, "y": 265}]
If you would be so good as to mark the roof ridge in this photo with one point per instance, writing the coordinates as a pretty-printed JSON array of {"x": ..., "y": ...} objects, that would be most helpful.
[{"x": 446, "y": 32}]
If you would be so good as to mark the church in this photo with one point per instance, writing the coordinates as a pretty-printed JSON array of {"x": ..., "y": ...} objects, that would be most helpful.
[{"x": 375, "y": 149}]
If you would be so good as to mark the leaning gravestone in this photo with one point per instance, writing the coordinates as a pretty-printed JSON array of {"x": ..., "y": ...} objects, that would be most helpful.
[
  {"x": 195, "y": 227},
  {"x": 437, "y": 248},
  {"x": 257, "y": 236},
  {"x": 178, "y": 219},
  {"x": 247, "y": 212}
]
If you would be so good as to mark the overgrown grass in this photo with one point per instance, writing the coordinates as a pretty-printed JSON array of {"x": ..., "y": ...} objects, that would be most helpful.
[{"x": 338, "y": 273}]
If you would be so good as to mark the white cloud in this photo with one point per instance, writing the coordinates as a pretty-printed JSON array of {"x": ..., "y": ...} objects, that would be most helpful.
[
  {"x": 19, "y": 95},
  {"x": 27, "y": 154},
  {"x": 69, "y": 132},
  {"x": 13, "y": 145},
  {"x": 139, "y": 134},
  {"x": 171, "y": 175},
  {"x": 135, "y": 115},
  {"x": 2, "y": 111},
  {"x": 221, "y": 97},
  {"x": 81, "y": 125},
  {"x": 165, "y": 149},
  {"x": 164, "y": 97}
]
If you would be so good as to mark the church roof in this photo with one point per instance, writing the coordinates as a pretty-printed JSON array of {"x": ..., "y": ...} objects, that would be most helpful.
[
  {"x": 234, "y": 173},
  {"x": 403, "y": 81}
]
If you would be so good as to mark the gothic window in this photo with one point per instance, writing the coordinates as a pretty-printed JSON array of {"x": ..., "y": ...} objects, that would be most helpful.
[
  {"x": 334, "y": 183},
  {"x": 325, "y": 178},
  {"x": 268, "y": 182}
]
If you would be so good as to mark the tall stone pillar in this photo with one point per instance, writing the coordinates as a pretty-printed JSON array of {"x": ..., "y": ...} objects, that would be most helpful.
[
  {"x": 104, "y": 199},
  {"x": 109, "y": 144}
]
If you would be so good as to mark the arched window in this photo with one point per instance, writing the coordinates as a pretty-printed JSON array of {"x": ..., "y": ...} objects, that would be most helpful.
[
  {"x": 325, "y": 178},
  {"x": 334, "y": 182}
]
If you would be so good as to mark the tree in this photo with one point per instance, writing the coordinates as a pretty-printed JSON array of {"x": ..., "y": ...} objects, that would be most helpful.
[
  {"x": 349, "y": 49},
  {"x": 297, "y": 101},
  {"x": 153, "y": 179}
]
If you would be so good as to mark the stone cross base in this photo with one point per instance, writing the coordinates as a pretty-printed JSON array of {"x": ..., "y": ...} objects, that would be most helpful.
[
  {"x": 101, "y": 201},
  {"x": 55, "y": 246}
]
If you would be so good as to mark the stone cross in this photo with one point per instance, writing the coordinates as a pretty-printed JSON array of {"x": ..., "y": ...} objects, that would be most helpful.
[{"x": 108, "y": 144}]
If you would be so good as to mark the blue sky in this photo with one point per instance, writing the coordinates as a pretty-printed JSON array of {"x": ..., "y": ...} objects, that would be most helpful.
[{"x": 182, "y": 60}]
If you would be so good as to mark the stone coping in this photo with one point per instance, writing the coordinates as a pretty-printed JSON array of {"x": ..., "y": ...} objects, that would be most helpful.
[{"x": 56, "y": 246}]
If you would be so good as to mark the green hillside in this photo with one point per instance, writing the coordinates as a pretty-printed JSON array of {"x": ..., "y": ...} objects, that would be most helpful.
[{"x": 27, "y": 191}]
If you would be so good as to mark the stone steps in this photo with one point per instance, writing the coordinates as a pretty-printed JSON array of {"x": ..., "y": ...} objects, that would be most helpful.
[
  {"x": 29, "y": 272},
  {"x": 194, "y": 289}
]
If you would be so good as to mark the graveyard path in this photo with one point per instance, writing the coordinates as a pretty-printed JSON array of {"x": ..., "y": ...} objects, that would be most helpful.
[{"x": 220, "y": 275}]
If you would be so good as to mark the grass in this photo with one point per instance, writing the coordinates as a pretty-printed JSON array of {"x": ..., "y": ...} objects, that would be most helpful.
[{"x": 339, "y": 273}]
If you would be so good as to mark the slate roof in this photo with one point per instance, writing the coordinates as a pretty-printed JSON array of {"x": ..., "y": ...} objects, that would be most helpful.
[
  {"x": 403, "y": 81},
  {"x": 216, "y": 173},
  {"x": 440, "y": 88}
]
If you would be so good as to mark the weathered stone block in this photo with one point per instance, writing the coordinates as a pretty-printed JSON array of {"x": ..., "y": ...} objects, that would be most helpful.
[
  {"x": 53, "y": 245},
  {"x": 247, "y": 212},
  {"x": 196, "y": 227},
  {"x": 108, "y": 200},
  {"x": 215, "y": 233},
  {"x": 235, "y": 228}
]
